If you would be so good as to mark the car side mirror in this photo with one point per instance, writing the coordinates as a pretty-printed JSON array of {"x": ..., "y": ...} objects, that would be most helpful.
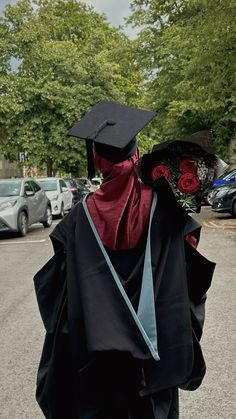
[
  {"x": 64, "y": 189},
  {"x": 29, "y": 193}
]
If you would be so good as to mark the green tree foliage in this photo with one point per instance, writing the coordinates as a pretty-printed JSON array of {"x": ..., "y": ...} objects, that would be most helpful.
[
  {"x": 187, "y": 48},
  {"x": 68, "y": 59}
]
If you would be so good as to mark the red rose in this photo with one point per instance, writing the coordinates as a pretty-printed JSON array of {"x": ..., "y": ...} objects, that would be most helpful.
[
  {"x": 188, "y": 183},
  {"x": 187, "y": 166},
  {"x": 160, "y": 170}
]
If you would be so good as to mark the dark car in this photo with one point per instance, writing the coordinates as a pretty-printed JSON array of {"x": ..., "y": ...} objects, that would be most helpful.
[
  {"x": 84, "y": 185},
  {"x": 225, "y": 179},
  {"x": 224, "y": 199},
  {"x": 77, "y": 195}
]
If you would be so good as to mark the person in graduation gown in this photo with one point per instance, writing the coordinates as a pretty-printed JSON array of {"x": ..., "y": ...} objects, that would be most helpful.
[{"x": 122, "y": 299}]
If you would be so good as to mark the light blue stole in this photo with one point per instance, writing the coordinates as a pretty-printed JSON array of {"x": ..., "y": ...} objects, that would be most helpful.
[{"x": 145, "y": 318}]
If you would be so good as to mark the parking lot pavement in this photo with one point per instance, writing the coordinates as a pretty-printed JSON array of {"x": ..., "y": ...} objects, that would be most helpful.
[
  {"x": 212, "y": 219},
  {"x": 21, "y": 329},
  {"x": 216, "y": 399}
]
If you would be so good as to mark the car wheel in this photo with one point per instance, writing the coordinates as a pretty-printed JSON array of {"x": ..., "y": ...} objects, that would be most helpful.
[
  {"x": 234, "y": 208},
  {"x": 22, "y": 224},
  {"x": 62, "y": 212},
  {"x": 48, "y": 222}
]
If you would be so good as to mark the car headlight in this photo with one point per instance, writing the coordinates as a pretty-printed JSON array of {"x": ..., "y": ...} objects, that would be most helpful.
[
  {"x": 55, "y": 197},
  {"x": 7, "y": 204}
]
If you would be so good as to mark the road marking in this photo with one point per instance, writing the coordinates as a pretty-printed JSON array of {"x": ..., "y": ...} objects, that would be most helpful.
[
  {"x": 211, "y": 224},
  {"x": 22, "y": 241}
]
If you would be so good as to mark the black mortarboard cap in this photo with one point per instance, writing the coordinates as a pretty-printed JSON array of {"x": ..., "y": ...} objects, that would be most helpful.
[{"x": 112, "y": 128}]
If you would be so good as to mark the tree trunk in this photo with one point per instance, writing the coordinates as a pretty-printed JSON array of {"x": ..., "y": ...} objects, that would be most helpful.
[
  {"x": 232, "y": 151},
  {"x": 49, "y": 167}
]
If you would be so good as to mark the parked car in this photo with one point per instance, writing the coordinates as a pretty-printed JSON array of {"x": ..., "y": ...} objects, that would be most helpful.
[
  {"x": 84, "y": 185},
  {"x": 76, "y": 192},
  {"x": 225, "y": 179},
  {"x": 59, "y": 194},
  {"x": 224, "y": 199},
  {"x": 22, "y": 203},
  {"x": 95, "y": 183}
]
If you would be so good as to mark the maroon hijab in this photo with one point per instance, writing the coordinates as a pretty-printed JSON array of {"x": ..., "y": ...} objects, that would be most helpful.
[{"x": 120, "y": 208}]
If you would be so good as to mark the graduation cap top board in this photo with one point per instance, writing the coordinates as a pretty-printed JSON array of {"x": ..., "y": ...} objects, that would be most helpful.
[{"x": 111, "y": 127}]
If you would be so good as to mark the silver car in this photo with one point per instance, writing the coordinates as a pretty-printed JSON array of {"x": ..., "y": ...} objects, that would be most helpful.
[{"x": 22, "y": 203}]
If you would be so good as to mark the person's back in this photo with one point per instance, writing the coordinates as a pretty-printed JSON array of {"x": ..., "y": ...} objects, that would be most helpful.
[{"x": 115, "y": 300}]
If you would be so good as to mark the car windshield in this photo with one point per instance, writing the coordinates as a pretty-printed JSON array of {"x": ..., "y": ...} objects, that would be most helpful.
[
  {"x": 227, "y": 174},
  {"x": 230, "y": 175},
  {"x": 10, "y": 188},
  {"x": 48, "y": 185},
  {"x": 82, "y": 183}
]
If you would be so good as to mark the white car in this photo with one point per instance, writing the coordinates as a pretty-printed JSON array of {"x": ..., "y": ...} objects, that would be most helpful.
[
  {"x": 58, "y": 193},
  {"x": 95, "y": 183}
]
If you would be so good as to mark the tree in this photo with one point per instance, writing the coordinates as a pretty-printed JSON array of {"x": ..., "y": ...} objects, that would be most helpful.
[
  {"x": 68, "y": 59},
  {"x": 187, "y": 48}
]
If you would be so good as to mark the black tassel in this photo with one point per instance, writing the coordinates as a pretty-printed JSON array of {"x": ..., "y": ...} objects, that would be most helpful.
[{"x": 90, "y": 160}]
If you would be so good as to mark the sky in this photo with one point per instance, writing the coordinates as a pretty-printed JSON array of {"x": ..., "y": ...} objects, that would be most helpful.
[{"x": 115, "y": 11}]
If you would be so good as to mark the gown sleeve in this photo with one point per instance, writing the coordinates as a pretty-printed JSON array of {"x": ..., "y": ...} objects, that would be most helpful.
[
  {"x": 199, "y": 277},
  {"x": 52, "y": 395}
]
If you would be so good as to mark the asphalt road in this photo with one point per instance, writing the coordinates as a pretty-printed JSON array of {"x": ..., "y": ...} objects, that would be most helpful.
[{"x": 21, "y": 330}]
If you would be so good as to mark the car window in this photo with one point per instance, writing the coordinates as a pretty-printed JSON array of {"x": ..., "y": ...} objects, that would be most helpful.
[
  {"x": 96, "y": 181},
  {"x": 72, "y": 183},
  {"x": 28, "y": 187},
  {"x": 36, "y": 188},
  {"x": 48, "y": 184},
  {"x": 11, "y": 188},
  {"x": 68, "y": 182},
  {"x": 62, "y": 184}
]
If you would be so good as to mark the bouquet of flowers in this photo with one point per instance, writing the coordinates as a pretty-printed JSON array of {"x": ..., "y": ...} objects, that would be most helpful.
[{"x": 189, "y": 170}]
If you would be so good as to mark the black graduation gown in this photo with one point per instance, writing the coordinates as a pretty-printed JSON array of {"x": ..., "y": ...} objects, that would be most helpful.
[{"x": 95, "y": 363}]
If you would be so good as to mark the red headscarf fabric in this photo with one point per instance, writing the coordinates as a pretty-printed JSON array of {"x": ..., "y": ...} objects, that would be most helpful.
[{"x": 120, "y": 208}]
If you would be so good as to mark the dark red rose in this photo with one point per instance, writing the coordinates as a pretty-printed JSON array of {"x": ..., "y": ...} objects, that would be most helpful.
[
  {"x": 188, "y": 183},
  {"x": 187, "y": 166},
  {"x": 160, "y": 170}
]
